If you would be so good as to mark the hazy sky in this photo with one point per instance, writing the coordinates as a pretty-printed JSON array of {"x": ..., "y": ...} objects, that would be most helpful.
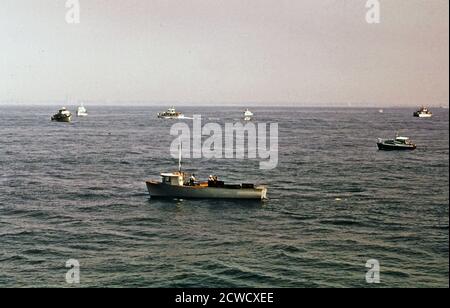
[{"x": 305, "y": 52}]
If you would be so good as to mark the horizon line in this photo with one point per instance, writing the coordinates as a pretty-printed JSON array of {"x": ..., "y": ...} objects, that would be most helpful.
[
  {"x": 212, "y": 105},
  {"x": 135, "y": 103}
]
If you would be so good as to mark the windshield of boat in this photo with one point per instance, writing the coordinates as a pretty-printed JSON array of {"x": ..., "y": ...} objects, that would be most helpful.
[{"x": 402, "y": 140}]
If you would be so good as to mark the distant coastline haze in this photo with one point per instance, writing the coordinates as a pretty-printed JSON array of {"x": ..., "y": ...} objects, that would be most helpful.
[{"x": 320, "y": 53}]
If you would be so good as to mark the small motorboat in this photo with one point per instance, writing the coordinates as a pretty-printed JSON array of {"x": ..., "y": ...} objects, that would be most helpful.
[
  {"x": 63, "y": 115},
  {"x": 81, "y": 111},
  {"x": 423, "y": 112},
  {"x": 248, "y": 115},
  {"x": 171, "y": 113},
  {"x": 397, "y": 144}
]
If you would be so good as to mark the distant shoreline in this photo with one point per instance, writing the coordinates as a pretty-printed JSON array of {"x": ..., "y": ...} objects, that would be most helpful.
[{"x": 241, "y": 105}]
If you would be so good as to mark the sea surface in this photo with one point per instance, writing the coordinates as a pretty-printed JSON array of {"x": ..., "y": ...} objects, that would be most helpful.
[{"x": 77, "y": 191}]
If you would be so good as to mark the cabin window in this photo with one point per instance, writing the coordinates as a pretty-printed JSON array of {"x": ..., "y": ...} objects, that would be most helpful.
[{"x": 166, "y": 180}]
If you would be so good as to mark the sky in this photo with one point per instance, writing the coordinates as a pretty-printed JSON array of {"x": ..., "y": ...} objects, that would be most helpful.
[{"x": 268, "y": 52}]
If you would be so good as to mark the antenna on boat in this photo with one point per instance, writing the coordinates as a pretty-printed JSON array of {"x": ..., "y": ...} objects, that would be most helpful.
[{"x": 180, "y": 147}]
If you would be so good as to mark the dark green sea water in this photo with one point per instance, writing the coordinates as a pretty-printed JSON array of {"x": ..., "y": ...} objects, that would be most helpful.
[{"x": 77, "y": 192}]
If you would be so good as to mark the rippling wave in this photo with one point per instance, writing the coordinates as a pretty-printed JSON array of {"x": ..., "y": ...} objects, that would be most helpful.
[{"x": 77, "y": 191}]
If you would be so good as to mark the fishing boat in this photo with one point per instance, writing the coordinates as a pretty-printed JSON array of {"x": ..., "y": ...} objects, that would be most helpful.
[
  {"x": 81, "y": 111},
  {"x": 397, "y": 144},
  {"x": 171, "y": 113},
  {"x": 63, "y": 115},
  {"x": 182, "y": 185},
  {"x": 423, "y": 112},
  {"x": 248, "y": 115}
]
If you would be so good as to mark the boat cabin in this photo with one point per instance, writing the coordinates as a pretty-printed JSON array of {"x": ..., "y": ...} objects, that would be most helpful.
[
  {"x": 402, "y": 140},
  {"x": 174, "y": 179}
]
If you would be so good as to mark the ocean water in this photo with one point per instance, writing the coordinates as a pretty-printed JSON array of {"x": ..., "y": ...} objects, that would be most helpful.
[{"x": 77, "y": 191}]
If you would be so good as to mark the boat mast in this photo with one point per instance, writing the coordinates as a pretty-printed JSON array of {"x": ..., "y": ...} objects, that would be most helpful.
[{"x": 179, "y": 156}]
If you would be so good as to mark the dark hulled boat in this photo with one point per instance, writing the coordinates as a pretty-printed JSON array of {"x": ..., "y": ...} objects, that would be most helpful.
[
  {"x": 63, "y": 115},
  {"x": 397, "y": 144}
]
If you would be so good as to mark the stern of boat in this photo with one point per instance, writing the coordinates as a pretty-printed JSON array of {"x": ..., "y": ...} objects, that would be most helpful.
[{"x": 263, "y": 192}]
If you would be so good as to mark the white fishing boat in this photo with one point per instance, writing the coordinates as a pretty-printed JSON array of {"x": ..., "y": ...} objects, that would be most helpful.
[
  {"x": 423, "y": 112},
  {"x": 81, "y": 111},
  {"x": 171, "y": 113},
  {"x": 248, "y": 115}
]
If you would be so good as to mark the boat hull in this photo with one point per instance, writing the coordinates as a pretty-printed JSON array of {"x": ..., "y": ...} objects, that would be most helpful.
[
  {"x": 170, "y": 117},
  {"x": 389, "y": 147},
  {"x": 62, "y": 119},
  {"x": 423, "y": 115},
  {"x": 419, "y": 114},
  {"x": 160, "y": 190}
]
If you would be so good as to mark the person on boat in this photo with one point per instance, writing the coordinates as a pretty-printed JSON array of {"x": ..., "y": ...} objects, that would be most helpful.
[
  {"x": 192, "y": 180},
  {"x": 212, "y": 181}
]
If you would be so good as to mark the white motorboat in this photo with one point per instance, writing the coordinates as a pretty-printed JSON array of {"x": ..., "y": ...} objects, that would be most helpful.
[
  {"x": 423, "y": 112},
  {"x": 171, "y": 113},
  {"x": 248, "y": 115},
  {"x": 81, "y": 111}
]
